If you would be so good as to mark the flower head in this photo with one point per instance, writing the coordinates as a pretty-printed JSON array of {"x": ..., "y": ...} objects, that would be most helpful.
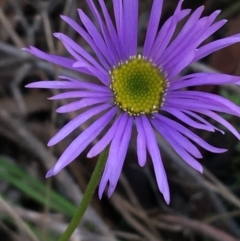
[{"x": 135, "y": 89}]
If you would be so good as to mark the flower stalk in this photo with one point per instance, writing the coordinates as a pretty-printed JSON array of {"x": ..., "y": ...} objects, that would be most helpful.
[{"x": 87, "y": 197}]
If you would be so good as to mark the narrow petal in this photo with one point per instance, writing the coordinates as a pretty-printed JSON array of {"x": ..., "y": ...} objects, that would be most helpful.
[
  {"x": 194, "y": 104},
  {"x": 53, "y": 84},
  {"x": 165, "y": 132},
  {"x": 112, "y": 30},
  {"x": 212, "y": 29},
  {"x": 78, "y": 94},
  {"x": 113, "y": 155},
  {"x": 175, "y": 46},
  {"x": 204, "y": 97},
  {"x": 79, "y": 104},
  {"x": 199, "y": 79},
  {"x": 141, "y": 143},
  {"x": 55, "y": 59},
  {"x": 83, "y": 140},
  {"x": 184, "y": 142},
  {"x": 117, "y": 163},
  {"x": 165, "y": 35},
  {"x": 197, "y": 117},
  {"x": 130, "y": 10},
  {"x": 88, "y": 39},
  {"x": 82, "y": 56},
  {"x": 106, "y": 35},
  {"x": 106, "y": 139},
  {"x": 156, "y": 159},
  {"x": 96, "y": 36},
  {"x": 153, "y": 24},
  {"x": 216, "y": 45},
  {"x": 180, "y": 128},
  {"x": 220, "y": 120},
  {"x": 76, "y": 122},
  {"x": 184, "y": 118},
  {"x": 118, "y": 14},
  {"x": 85, "y": 84},
  {"x": 183, "y": 63}
]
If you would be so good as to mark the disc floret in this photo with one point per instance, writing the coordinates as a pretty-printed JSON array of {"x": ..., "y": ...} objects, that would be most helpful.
[{"x": 138, "y": 86}]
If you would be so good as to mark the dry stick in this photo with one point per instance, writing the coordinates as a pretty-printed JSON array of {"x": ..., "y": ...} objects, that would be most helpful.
[
  {"x": 48, "y": 34},
  {"x": 223, "y": 216},
  {"x": 9, "y": 29},
  {"x": 18, "y": 220},
  {"x": 131, "y": 220},
  {"x": 13, "y": 236},
  {"x": 20, "y": 15},
  {"x": 199, "y": 227},
  {"x": 125, "y": 208},
  {"x": 47, "y": 26},
  {"x": 128, "y": 189},
  {"x": 29, "y": 142},
  {"x": 55, "y": 223},
  {"x": 129, "y": 236},
  {"x": 222, "y": 189},
  {"x": 20, "y": 74},
  {"x": 140, "y": 214},
  {"x": 217, "y": 203}
]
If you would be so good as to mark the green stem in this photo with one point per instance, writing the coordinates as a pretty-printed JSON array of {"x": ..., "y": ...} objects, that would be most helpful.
[{"x": 87, "y": 197}]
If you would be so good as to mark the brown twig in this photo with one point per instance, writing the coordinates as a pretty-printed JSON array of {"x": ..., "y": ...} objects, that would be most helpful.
[{"x": 199, "y": 227}]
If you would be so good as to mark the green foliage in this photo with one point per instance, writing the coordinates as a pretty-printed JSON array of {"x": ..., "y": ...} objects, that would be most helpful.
[{"x": 33, "y": 188}]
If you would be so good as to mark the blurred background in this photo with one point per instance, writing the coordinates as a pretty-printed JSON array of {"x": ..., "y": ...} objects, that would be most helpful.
[{"x": 203, "y": 207}]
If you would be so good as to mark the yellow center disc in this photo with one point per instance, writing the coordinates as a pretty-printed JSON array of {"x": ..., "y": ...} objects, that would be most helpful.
[{"x": 138, "y": 86}]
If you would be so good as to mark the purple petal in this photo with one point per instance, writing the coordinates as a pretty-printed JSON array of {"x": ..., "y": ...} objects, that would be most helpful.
[
  {"x": 118, "y": 14},
  {"x": 212, "y": 29},
  {"x": 189, "y": 134},
  {"x": 194, "y": 32},
  {"x": 96, "y": 36},
  {"x": 165, "y": 35},
  {"x": 117, "y": 163},
  {"x": 106, "y": 139},
  {"x": 196, "y": 104},
  {"x": 113, "y": 155},
  {"x": 156, "y": 158},
  {"x": 182, "y": 63},
  {"x": 53, "y": 84},
  {"x": 184, "y": 142},
  {"x": 76, "y": 122},
  {"x": 165, "y": 132},
  {"x": 194, "y": 115},
  {"x": 216, "y": 45},
  {"x": 79, "y": 104},
  {"x": 58, "y": 60},
  {"x": 78, "y": 94},
  {"x": 110, "y": 45},
  {"x": 220, "y": 120},
  {"x": 153, "y": 24},
  {"x": 83, "y": 140},
  {"x": 184, "y": 118},
  {"x": 199, "y": 79},
  {"x": 141, "y": 143},
  {"x": 112, "y": 31},
  {"x": 175, "y": 46},
  {"x": 130, "y": 10},
  {"x": 88, "y": 64},
  {"x": 50, "y": 172},
  {"x": 86, "y": 85},
  {"x": 215, "y": 100},
  {"x": 88, "y": 39}
]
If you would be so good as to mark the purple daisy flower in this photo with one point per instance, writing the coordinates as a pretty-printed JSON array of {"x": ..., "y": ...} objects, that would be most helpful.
[{"x": 135, "y": 89}]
